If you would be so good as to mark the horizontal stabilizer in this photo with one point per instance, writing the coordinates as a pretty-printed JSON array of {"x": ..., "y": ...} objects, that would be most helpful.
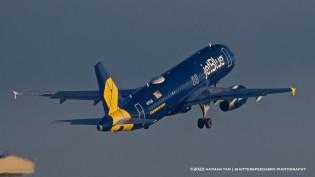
[
  {"x": 94, "y": 121},
  {"x": 91, "y": 121}
]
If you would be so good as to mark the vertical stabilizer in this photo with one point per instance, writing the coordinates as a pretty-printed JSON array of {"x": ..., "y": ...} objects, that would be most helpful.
[{"x": 107, "y": 88}]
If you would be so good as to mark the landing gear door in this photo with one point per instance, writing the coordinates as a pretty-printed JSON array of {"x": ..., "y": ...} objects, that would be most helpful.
[{"x": 140, "y": 111}]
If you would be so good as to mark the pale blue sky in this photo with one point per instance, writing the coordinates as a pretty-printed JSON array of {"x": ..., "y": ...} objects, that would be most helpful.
[{"x": 53, "y": 45}]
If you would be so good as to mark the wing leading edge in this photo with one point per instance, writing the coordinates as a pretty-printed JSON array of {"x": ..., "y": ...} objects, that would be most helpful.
[{"x": 215, "y": 94}]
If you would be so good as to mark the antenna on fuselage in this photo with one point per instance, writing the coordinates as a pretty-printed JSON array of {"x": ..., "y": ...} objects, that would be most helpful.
[{"x": 210, "y": 44}]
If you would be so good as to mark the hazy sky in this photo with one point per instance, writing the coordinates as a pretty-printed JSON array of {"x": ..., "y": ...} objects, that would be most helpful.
[{"x": 53, "y": 45}]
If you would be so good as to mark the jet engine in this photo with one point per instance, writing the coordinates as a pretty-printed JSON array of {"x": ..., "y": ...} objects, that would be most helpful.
[{"x": 228, "y": 105}]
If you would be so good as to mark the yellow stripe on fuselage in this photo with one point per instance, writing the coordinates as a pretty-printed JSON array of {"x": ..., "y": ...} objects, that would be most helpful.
[
  {"x": 125, "y": 127},
  {"x": 119, "y": 115},
  {"x": 157, "y": 108}
]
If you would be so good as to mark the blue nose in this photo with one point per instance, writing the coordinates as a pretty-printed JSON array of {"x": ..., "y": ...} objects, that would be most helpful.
[
  {"x": 229, "y": 55},
  {"x": 105, "y": 124}
]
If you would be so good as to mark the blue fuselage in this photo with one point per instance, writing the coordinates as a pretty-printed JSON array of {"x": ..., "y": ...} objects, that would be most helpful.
[{"x": 166, "y": 94}]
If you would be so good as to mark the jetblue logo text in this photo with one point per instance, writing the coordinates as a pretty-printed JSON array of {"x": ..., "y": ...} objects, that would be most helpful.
[{"x": 212, "y": 65}]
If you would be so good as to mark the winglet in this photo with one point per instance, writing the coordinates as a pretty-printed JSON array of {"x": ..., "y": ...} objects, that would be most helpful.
[
  {"x": 15, "y": 94},
  {"x": 293, "y": 91}
]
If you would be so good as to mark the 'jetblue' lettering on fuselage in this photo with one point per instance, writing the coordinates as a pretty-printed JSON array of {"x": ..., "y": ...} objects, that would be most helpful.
[{"x": 212, "y": 65}]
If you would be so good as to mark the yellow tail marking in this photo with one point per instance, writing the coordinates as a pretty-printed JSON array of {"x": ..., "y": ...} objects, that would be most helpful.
[
  {"x": 125, "y": 127},
  {"x": 111, "y": 95},
  {"x": 115, "y": 112},
  {"x": 119, "y": 115},
  {"x": 293, "y": 91}
]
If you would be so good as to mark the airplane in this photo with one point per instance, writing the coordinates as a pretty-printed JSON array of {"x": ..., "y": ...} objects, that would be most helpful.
[{"x": 192, "y": 82}]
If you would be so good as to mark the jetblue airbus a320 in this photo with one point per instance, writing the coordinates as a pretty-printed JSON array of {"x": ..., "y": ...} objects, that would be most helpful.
[{"x": 192, "y": 82}]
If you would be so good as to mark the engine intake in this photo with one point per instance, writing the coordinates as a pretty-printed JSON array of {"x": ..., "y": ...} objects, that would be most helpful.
[
  {"x": 228, "y": 105},
  {"x": 232, "y": 104}
]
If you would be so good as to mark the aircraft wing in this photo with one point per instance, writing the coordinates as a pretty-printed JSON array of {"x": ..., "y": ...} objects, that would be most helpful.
[
  {"x": 92, "y": 95},
  {"x": 214, "y": 94}
]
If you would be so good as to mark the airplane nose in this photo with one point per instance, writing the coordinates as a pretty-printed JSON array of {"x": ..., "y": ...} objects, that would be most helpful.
[
  {"x": 229, "y": 56},
  {"x": 105, "y": 124}
]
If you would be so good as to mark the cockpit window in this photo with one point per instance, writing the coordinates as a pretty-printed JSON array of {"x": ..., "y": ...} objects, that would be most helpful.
[
  {"x": 158, "y": 80},
  {"x": 228, "y": 57}
]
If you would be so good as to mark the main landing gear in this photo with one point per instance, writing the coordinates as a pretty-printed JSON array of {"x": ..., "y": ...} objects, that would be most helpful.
[{"x": 204, "y": 122}]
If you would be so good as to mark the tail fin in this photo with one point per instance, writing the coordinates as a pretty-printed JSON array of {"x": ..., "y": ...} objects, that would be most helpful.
[{"x": 107, "y": 88}]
